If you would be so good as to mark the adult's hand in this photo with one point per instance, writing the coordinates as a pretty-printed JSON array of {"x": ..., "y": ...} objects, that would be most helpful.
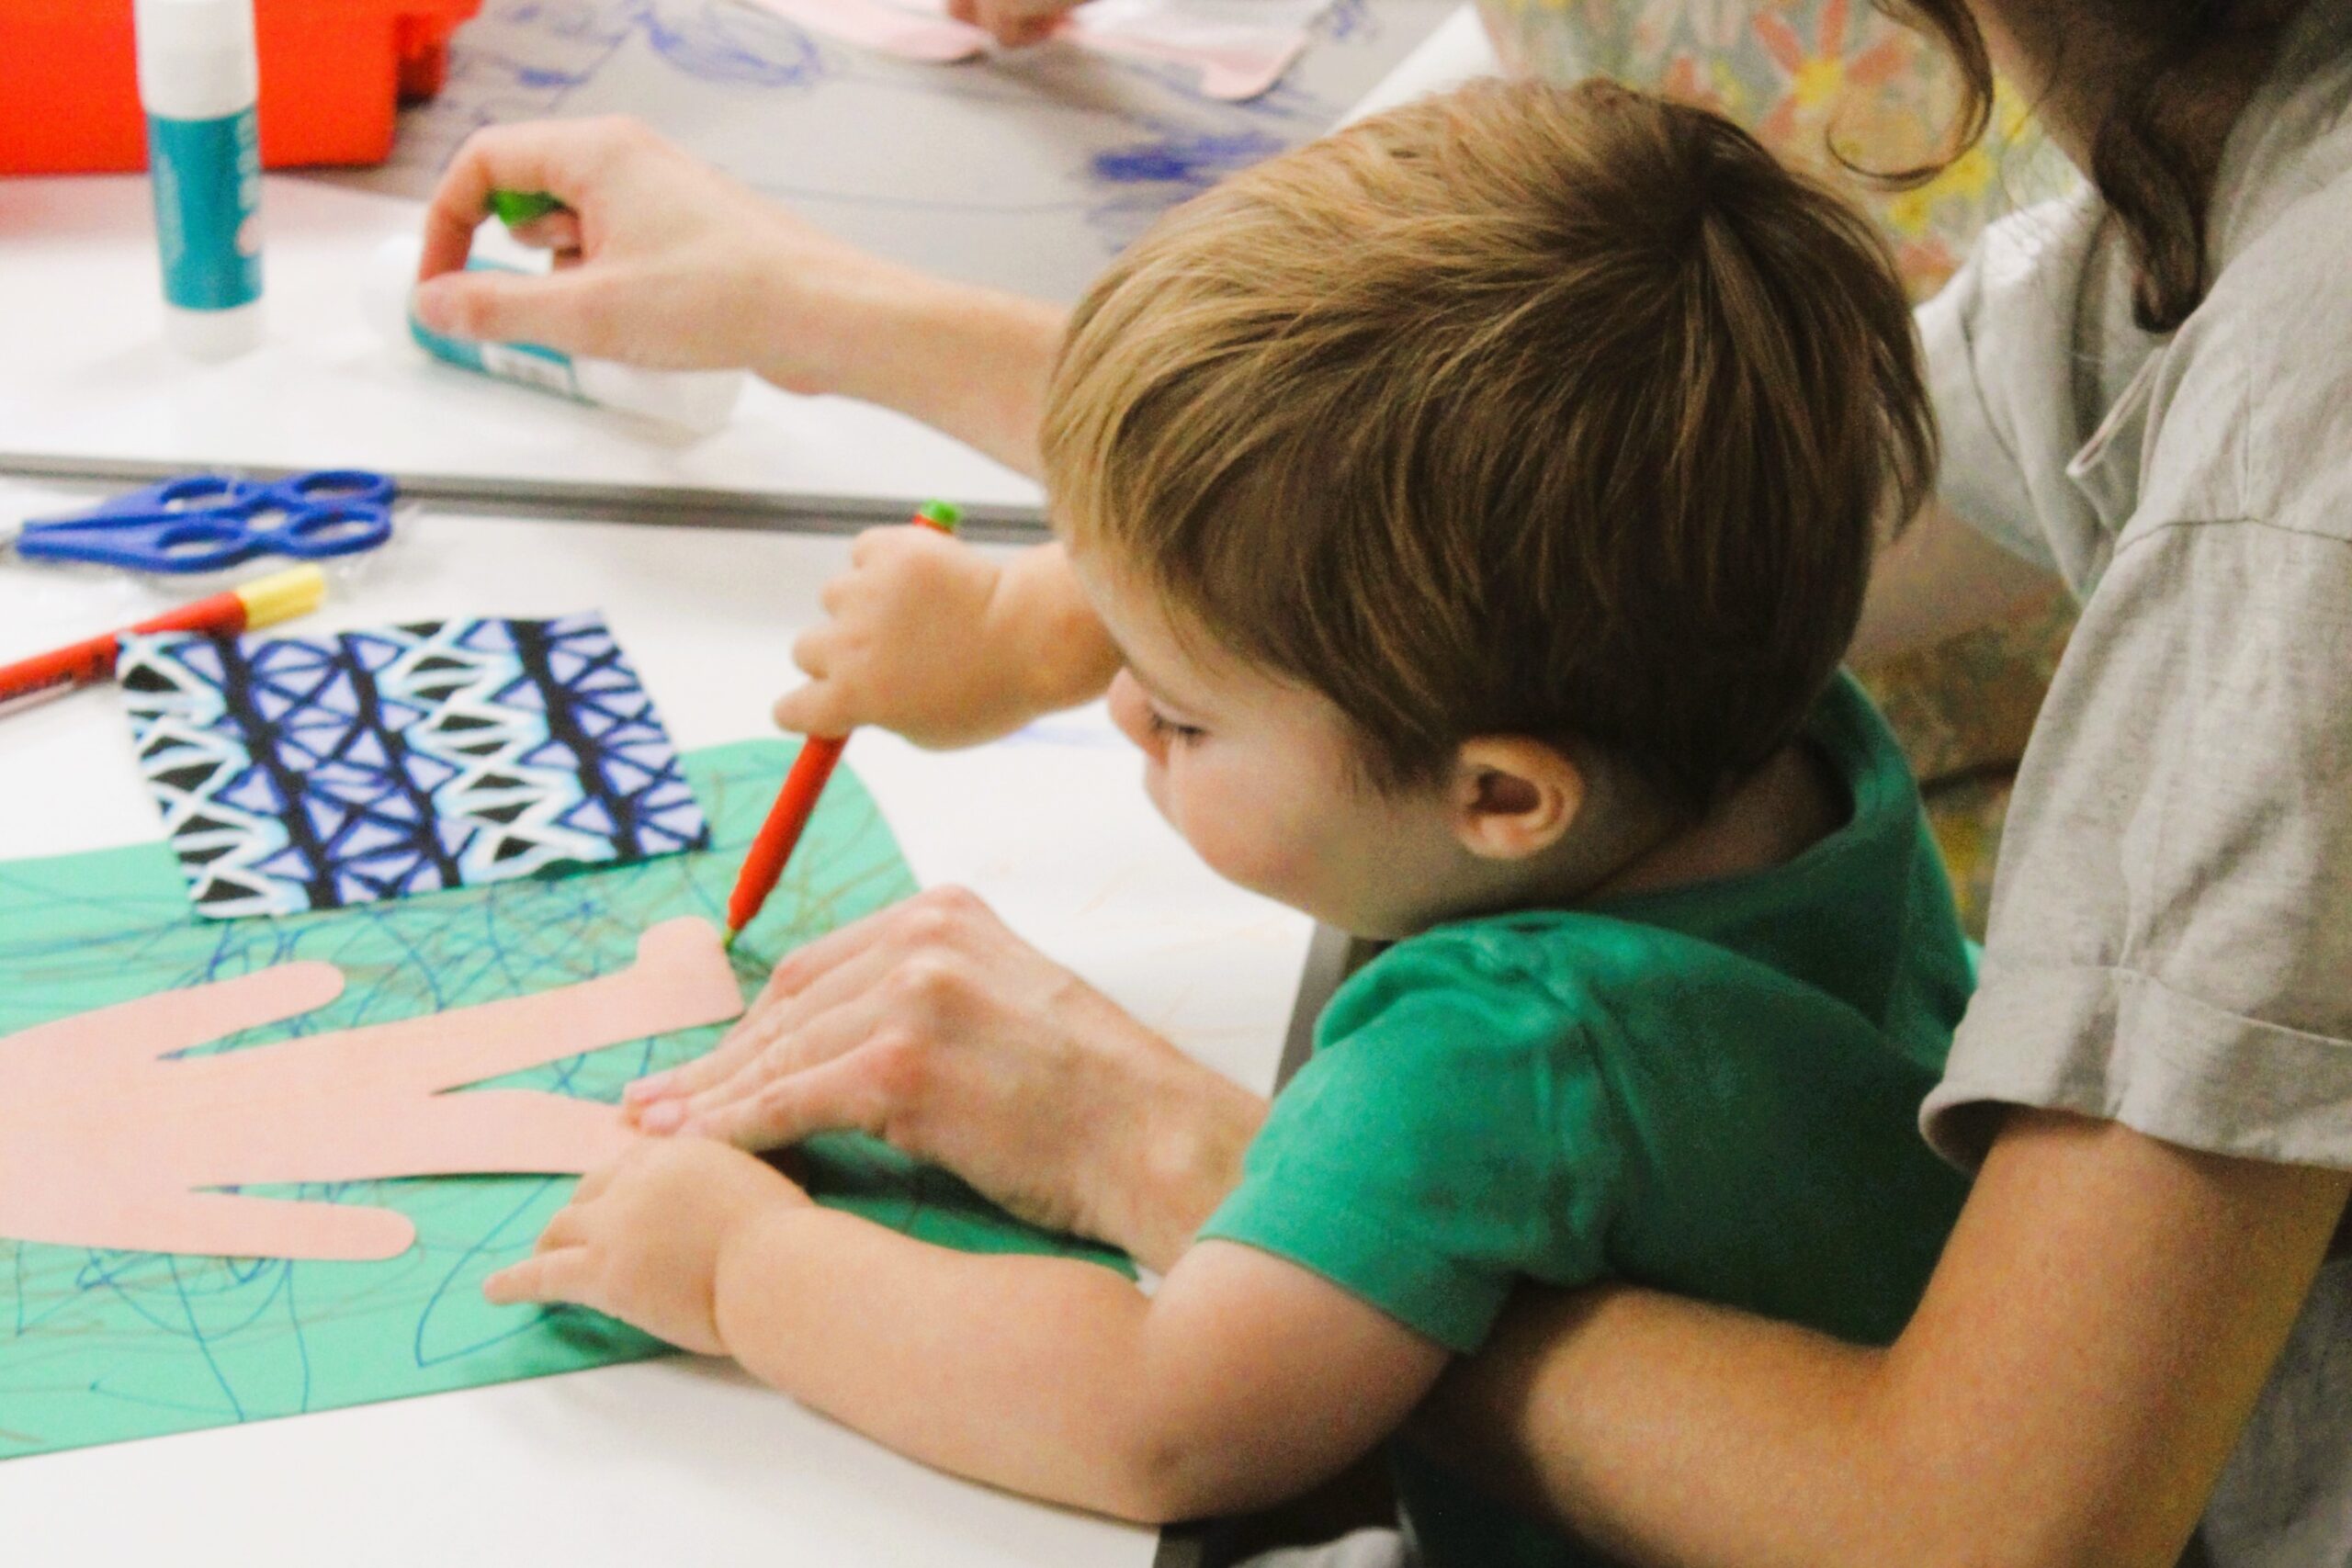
[
  {"x": 662, "y": 260},
  {"x": 931, "y": 1026}
]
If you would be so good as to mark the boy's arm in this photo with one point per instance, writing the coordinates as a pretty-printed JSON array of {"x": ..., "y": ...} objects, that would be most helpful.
[{"x": 1245, "y": 1381}]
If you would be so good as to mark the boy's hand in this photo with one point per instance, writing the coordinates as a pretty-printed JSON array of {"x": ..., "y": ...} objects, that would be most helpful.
[
  {"x": 1014, "y": 23},
  {"x": 945, "y": 645},
  {"x": 913, "y": 645},
  {"x": 642, "y": 1238}
]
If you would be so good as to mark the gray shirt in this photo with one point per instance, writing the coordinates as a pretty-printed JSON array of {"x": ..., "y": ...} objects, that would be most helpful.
[{"x": 2171, "y": 930}]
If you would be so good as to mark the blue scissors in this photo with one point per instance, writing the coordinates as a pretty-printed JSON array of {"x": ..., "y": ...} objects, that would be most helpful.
[{"x": 204, "y": 522}]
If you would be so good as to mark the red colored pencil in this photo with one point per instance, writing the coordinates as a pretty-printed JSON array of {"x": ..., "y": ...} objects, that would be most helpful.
[
  {"x": 261, "y": 603},
  {"x": 780, "y": 834}
]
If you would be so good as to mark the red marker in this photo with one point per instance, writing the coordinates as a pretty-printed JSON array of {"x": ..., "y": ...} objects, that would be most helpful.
[
  {"x": 261, "y": 603},
  {"x": 780, "y": 834}
]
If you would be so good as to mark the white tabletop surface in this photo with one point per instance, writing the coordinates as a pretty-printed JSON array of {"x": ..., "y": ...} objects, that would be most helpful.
[{"x": 679, "y": 1461}]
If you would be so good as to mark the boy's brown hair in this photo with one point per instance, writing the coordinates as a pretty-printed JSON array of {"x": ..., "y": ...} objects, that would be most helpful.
[{"x": 1565, "y": 414}]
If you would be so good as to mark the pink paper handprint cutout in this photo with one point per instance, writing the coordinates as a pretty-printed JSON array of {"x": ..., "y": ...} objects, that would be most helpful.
[{"x": 103, "y": 1144}]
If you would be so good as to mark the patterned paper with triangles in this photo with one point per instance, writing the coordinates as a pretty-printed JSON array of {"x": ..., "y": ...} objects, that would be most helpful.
[{"x": 312, "y": 773}]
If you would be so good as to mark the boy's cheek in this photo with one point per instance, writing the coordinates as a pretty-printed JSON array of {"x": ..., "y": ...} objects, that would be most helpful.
[
  {"x": 1155, "y": 789},
  {"x": 1240, "y": 847}
]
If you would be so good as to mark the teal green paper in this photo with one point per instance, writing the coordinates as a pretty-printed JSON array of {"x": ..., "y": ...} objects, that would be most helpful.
[{"x": 102, "y": 1346}]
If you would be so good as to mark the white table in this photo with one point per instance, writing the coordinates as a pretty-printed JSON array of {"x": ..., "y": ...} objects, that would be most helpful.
[{"x": 677, "y": 1461}]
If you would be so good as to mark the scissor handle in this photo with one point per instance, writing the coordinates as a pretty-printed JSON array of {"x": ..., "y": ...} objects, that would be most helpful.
[
  {"x": 326, "y": 487},
  {"x": 201, "y": 542},
  {"x": 336, "y": 528}
]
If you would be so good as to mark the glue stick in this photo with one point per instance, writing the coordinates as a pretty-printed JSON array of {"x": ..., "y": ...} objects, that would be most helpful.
[
  {"x": 696, "y": 402},
  {"x": 199, "y": 83}
]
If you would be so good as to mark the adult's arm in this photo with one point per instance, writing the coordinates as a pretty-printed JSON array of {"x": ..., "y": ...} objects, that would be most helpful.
[
  {"x": 663, "y": 261},
  {"x": 2085, "y": 1354},
  {"x": 931, "y": 1026},
  {"x": 1937, "y": 579}
]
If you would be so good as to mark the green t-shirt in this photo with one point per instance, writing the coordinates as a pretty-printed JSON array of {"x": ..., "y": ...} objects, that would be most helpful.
[{"x": 1713, "y": 1090}]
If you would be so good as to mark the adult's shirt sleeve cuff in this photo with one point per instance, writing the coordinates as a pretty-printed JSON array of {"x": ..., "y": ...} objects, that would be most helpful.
[{"x": 2197, "y": 1075}]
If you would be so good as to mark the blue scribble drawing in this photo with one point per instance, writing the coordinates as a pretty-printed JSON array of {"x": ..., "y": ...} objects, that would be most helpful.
[
  {"x": 103, "y": 1346},
  {"x": 1144, "y": 180},
  {"x": 1024, "y": 169},
  {"x": 1194, "y": 163},
  {"x": 525, "y": 59},
  {"x": 1348, "y": 19}
]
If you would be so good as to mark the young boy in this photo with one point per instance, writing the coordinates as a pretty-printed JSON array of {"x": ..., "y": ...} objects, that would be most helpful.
[{"x": 1480, "y": 500}]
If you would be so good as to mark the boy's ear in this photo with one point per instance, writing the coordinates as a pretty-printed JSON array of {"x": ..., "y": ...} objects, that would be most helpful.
[{"x": 1513, "y": 797}]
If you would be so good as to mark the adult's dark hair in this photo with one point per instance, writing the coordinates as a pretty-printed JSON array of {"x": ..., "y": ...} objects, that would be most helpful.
[{"x": 2174, "y": 77}]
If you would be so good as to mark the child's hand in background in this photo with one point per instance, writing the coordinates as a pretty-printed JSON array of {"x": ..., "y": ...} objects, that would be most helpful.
[
  {"x": 945, "y": 644},
  {"x": 643, "y": 1237},
  {"x": 1014, "y": 23}
]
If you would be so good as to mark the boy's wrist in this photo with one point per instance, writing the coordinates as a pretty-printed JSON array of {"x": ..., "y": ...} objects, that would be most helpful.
[
  {"x": 753, "y": 1243},
  {"x": 1065, "y": 657}
]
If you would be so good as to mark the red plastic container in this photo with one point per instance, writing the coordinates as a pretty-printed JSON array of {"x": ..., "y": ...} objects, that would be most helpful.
[{"x": 331, "y": 74}]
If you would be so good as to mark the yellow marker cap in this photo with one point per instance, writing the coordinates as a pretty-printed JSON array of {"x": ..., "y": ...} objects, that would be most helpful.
[{"x": 283, "y": 596}]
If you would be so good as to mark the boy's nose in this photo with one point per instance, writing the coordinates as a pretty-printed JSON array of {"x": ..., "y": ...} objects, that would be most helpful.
[{"x": 1130, "y": 710}]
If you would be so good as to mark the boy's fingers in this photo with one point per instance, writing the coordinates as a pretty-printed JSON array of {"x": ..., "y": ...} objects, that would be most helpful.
[
  {"x": 550, "y": 1276},
  {"x": 817, "y": 708},
  {"x": 838, "y": 591},
  {"x": 569, "y": 1228},
  {"x": 812, "y": 651},
  {"x": 594, "y": 1184}
]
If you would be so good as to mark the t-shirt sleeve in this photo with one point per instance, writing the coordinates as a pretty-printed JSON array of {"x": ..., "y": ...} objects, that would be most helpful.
[
  {"x": 1451, "y": 1136},
  {"x": 2170, "y": 943},
  {"x": 1993, "y": 339}
]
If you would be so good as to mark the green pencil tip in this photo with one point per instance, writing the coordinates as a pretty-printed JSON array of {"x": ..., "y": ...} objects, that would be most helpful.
[
  {"x": 944, "y": 515},
  {"x": 727, "y": 942}
]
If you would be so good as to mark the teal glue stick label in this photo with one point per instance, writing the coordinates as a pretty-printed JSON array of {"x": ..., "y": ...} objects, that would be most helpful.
[
  {"x": 549, "y": 369},
  {"x": 208, "y": 208}
]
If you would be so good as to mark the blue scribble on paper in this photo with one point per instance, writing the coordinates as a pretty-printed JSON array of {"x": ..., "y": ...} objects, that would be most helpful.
[
  {"x": 1195, "y": 163},
  {"x": 1142, "y": 180}
]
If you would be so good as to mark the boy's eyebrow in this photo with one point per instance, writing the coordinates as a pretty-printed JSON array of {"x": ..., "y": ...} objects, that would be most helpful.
[
  {"x": 1152, "y": 688},
  {"x": 1128, "y": 662}
]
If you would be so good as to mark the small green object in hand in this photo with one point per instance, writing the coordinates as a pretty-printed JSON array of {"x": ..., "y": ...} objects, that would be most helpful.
[{"x": 516, "y": 208}]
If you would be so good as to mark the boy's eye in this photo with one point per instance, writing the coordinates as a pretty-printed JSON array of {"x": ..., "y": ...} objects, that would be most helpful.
[{"x": 1168, "y": 730}]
